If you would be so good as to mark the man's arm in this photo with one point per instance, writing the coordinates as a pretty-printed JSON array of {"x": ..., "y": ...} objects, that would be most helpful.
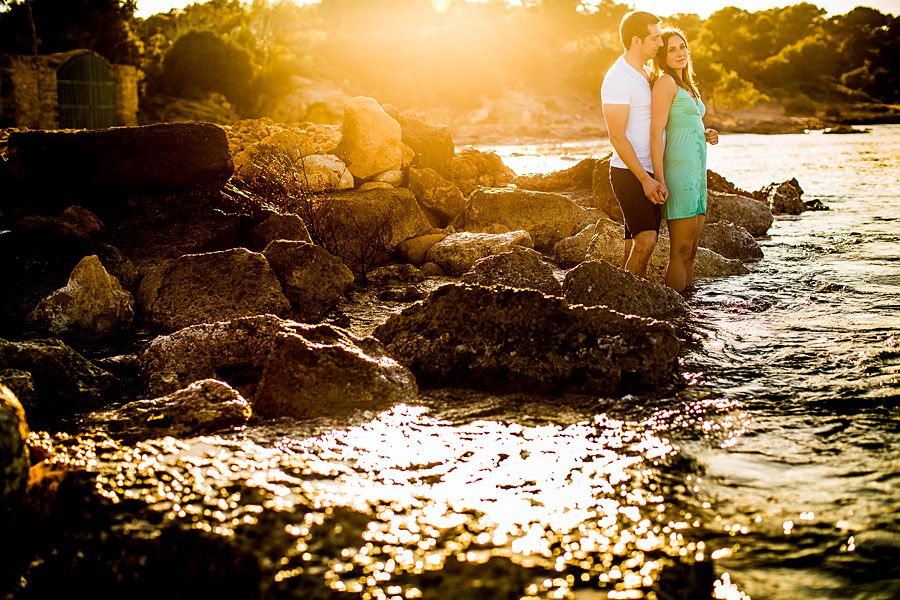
[{"x": 616, "y": 116}]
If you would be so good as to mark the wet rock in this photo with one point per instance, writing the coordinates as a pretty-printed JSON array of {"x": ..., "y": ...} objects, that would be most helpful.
[
  {"x": 204, "y": 407},
  {"x": 325, "y": 173},
  {"x": 371, "y": 139},
  {"x": 91, "y": 306},
  {"x": 433, "y": 146},
  {"x": 607, "y": 244},
  {"x": 415, "y": 249},
  {"x": 604, "y": 197},
  {"x": 278, "y": 227},
  {"x": 436, "y": 194},
  {"x": 521, "y": 268},
  {"x": 81, "y": 221},
  {"x": 598, "y": 283},
  {"x": 572, "y": 250},
  {"x": 730, "y": 241},
  {"x": 313, "y": 280},
  {"x": 122, "y": 160},
  {"x": 150, "y": 240},
  {"x": 547, "y": 217},
  {"x": 406, "y": 293},
  {"x": 501, "y": 338},
  {"x": 578, "y": 177},
  {"x": 325, "y": 371},
  {"x": 782, "y": 198},
  {"x": 20, "y": 383},
  {"x": 396, "y": 275},
  {"x": 64, "y": 381},
  {"x": 14, "y": 455},
  {"x": 215, "y": 286},
  {"x": 457, "y": 252},
  {"x": 717, "y": 183},
  {"x": 364, "y": 228},
  {"x": 471, "y": 168},
  {"x": 752, "y": 215}
]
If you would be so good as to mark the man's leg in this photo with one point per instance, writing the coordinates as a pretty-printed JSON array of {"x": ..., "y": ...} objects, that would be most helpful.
[
  {"x": 641, "y": 250},
  {"x": 629, "y": 243}
]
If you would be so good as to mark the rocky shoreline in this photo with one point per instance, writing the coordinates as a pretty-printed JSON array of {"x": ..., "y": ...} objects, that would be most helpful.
[{"x": 181, "y": 280}]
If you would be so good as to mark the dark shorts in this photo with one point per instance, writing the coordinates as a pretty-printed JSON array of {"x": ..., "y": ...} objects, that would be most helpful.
[{"x": 640, "y": 214}]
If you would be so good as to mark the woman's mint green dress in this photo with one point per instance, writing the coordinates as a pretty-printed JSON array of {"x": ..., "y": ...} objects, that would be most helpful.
[{"x": 684, "y": 159}]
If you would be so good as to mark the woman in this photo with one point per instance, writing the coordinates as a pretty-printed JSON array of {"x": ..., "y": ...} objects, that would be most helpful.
[{"x": 678, "y": 151}]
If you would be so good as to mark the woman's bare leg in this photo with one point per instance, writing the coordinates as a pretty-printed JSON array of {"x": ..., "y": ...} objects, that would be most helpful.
[
  {"x": 689, "y": 270},
  {"x": 682, "y": 233}
]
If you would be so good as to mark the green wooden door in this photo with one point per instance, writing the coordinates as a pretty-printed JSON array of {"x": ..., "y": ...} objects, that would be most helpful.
[{"x": 87, "y": 94}]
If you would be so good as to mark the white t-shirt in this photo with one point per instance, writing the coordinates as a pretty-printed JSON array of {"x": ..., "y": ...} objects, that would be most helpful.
[{"x": 623, "y": 85}]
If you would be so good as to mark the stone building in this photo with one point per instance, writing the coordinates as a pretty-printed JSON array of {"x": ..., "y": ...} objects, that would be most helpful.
[{"x": 68, "y": 90}]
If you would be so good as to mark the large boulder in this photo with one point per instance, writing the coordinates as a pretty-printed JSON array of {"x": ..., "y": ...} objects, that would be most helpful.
[
  {"x": 278, "y": 227},
  {"x": 730, "y": 240},
  {"x": 92, "y": 305},
  {"x": 456, "y": 253},
  {"x": 14, "y": 456},
  {"x": 572, "y": 250},
  {"x": 783, "y": 198},
  {"x": 521, "y": 268},
  {"x": 598, "y": 283},
  {"x": 436, "y": 194},
  {"x": 604, "y": 196},
  {"x": 287, "y": 368},
  {"x": 433, "y": 146},
  {"x": 313, "y": 280},
  {"x": 324, "y": 173},
  {"x": 578, "y": 177},
  {"x": 506, "y": 339},
  {"x": 204, "y": 407},
  {"x": 202, "y": 288},
  {"x": 371, "y": 141},
  {"x": 415, "y": 250},
  {"x": 364, "y": 228},
  {"x": 607, "y": 244},
  {"x": 752, "y": 215},
  {"x": 128, "y": 161},
  {"x": 471, "y": 168},
  {"x": 547, "y": 217},
  {"x": 64, "y": 381}
]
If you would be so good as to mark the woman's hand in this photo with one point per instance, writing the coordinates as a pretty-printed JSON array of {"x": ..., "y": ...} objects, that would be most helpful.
[{"x": 712, "y": 136}]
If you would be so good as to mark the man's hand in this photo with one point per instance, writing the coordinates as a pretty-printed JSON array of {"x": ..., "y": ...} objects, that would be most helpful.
[
  {"x": 654, "y": 190},
  {"x": 712, "y": 136}
]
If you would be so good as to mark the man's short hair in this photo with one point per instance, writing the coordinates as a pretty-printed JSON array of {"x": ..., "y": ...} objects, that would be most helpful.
[{"x": 636, "y": 23}]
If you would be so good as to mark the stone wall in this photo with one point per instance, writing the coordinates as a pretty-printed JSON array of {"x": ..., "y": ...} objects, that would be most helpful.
[{"x": 127, "y": 77}]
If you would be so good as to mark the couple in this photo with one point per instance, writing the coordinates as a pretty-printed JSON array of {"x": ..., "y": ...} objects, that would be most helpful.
[{"x": 655, "y": 123}]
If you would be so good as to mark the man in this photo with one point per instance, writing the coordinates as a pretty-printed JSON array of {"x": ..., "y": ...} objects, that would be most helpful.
[{"x": 626, "y": 99}]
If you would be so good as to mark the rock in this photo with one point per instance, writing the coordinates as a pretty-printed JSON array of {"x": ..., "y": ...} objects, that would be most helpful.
[
  {"x": 92, "y": 305},
  {"x": 128, "y": 161},
  {"x": 364, "y": 228},
  {"x": 278, "y": 227},
  {"x": 202, "y": 408},
  {"x": 393, "y": 178},
  {"x": 371, "y": 139},
  {"x": 471, "y": 168},
  {"x": 607, "y": 244},
  {"x": 20, "y": 383},
  {"x": 151, "y": 240},
  {"x": 598, "y": 283},
  {"x": 14, "y": 455},
  {"x": 406, "y": 293},
  {"x": 312, "y": 279},
  {"x": 288, "y": 368},
  {"x": 436, "y": 194},
  {"x": 64, "y": 381},
  {"x": 324, "y": 173},
  {"x": 752, "y": 215},
  {"x": 37, "y": 263},
  {"x": 375, "y": 185},
  {"x": 782, "y": 198},
  {"x": 844, "y": 129},
  {"x": 433, "y": 146},
  {"x": 431, "y": 269},
  {"x": 457, "y": 252},
  {"x": 717, "y": 183},
  {"x": 730, "y": 241},
  {"x": 325, "y": 371},
  {"x": 396, "y": 275},
  {"x": 604, "y": 196},
  {"x": 521, "y": 268},
  {"x": 414, "y": 250},
  {"x": 547, "y": 217},
  {"x": 579, "y": 177},
  {"x": 505, "y": 339},
  {"x": 571, "y": 251},
  {"x": 308, "y": 100},
  {"x": 82, "y": 222},
  {"x": 201, "y": 288}
]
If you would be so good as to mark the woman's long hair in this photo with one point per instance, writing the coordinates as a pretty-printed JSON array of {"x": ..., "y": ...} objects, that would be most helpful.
[{"x": 686, "y": 78}]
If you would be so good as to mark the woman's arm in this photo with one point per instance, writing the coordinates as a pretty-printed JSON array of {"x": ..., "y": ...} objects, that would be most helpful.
[{"x": 663, "y": 95}]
